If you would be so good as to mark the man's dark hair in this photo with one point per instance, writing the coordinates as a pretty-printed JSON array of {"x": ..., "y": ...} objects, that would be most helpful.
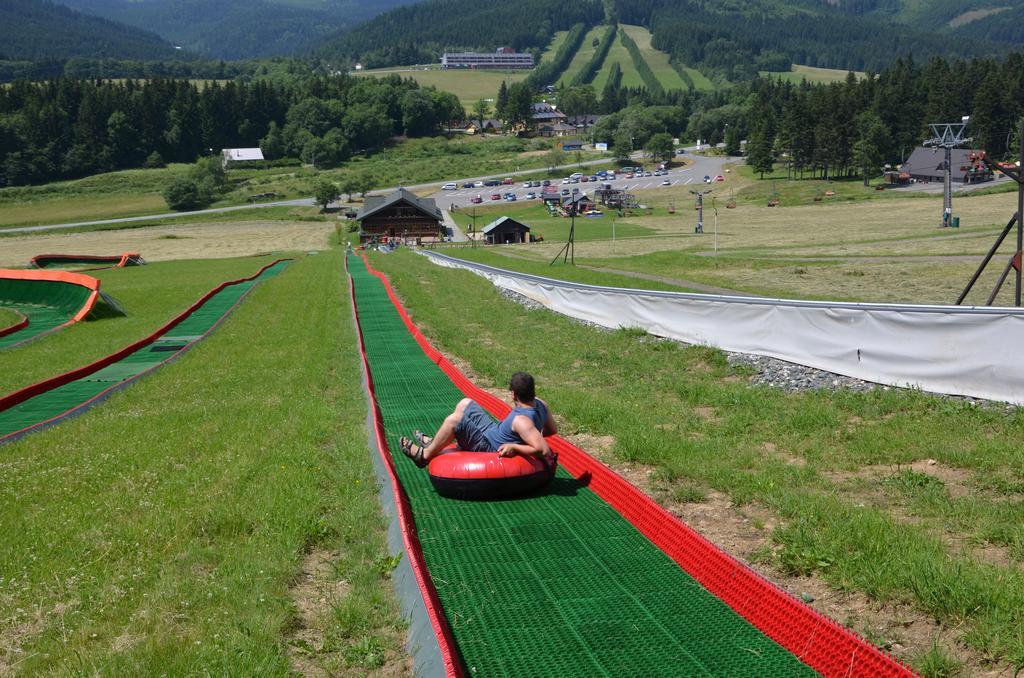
[{"x": 522, "y": 387}]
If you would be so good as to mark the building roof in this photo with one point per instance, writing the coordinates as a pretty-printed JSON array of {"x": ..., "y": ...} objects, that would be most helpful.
[
  {"x": 930, "y": 161},
  {"x": 547, "y": 115},
  {"x": 487, "y": 122},
  {"x": 585, "y": 120},
  {"x": 377, "y": 203},
  {"x": 503, "y": 221},
  {"x": 238, "y": 154}
]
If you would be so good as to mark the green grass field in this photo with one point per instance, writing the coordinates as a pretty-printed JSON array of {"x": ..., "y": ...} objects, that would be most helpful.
[
  {"x": 219, "y": 515},
  {"x": 824, "y": 479},
  {"x": 583, "y": 54},
  {"x": 811, "y": 74},
  {"x": 658, "y": 61},
  {"x": 469, "y": 85},
  {"x": 138, "y": 192},
  {"x": 8, "y": 318},
  {"x": 618, "y": 54}
]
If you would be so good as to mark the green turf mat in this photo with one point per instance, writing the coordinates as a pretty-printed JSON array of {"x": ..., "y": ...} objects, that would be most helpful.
[
  {"x": 57, "y": 401},
  {"x": 47, "y": 304},
  {"x": 557, "y": 584}
]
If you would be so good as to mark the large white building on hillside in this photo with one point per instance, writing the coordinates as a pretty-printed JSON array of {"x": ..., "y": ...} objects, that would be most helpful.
[{"x": 503, "y": 57}]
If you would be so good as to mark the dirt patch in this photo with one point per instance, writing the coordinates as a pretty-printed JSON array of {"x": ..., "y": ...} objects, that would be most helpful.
[
  {"x": 313, "y": 593},
  {"x": 186, "y": 241},
  {"x": 957, "y": 481},
  {"x": 708, "y": 414}
]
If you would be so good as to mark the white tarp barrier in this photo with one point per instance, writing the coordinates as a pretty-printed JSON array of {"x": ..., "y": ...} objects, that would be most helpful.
[{"x": 959, "y": 350}]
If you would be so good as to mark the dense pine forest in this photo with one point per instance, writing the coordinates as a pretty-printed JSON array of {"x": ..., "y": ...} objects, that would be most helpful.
[{"x": 68, "y": 128}]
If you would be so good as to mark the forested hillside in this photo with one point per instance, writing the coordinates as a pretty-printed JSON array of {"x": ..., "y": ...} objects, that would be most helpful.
[
  {"x": 238, "y": 29},
  {"x": 733, "y": 39},
  {"x": 69, "y": 128},
  {"x": 39, "y": 29},
  {"x": 420, "y": 33}
]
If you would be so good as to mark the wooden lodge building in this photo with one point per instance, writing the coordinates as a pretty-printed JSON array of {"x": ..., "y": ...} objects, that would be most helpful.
[
  {"x": 399, "y": 215},
  {"x": 506, "y": 230}
]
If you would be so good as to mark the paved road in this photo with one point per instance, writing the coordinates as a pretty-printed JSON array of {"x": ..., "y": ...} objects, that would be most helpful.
[
  {"x": 699, "y": 167},
  {"x": 693, "y": 173}
]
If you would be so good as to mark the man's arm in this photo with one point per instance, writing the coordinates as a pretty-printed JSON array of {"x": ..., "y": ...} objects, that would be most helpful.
[
  {"x": 534, "y": 443},
  {"x": 550, "y": 428}
]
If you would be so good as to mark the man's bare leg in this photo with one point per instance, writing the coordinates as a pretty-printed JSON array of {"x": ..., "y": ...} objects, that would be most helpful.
[{"x": 446, "y": 433}]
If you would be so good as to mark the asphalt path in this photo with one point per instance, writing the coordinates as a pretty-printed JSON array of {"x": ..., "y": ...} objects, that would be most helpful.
[
  {"x": 692, "y": 174},
  {"x": 697, "y": 167}
]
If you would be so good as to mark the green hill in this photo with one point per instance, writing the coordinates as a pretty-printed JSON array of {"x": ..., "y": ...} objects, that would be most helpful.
[
  {"x": 38, "y": 29},
  {"x": 420, "y": 33},
  {"x": 239, "y": 29}
]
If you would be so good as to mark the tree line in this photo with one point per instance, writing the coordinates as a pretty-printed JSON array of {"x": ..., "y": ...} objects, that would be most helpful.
[{"x": 67, "y": 128}]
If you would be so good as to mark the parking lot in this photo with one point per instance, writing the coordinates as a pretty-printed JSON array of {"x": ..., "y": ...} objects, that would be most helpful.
[{"x": 696, "y": 169}]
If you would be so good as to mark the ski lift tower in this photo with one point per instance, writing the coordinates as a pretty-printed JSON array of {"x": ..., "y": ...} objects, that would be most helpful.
[
  {"x": 700, "y": 209},
  {"x": 948, "y": 135}
]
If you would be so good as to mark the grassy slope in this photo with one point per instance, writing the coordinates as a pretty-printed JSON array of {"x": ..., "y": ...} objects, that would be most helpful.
[
  {"x": 8, "y": 318},
  {"x": 160, "y": 532},
  {"x": 618, "y": 53},
  {"x": 468, "y": 85},
  {"x": 811, "y": 74},
  {"x": 703, "y": 429},
  {"x": 144, "y": 293},
  {"x": 583, "y": 54},
  {"x": 658, "y": 61},
  {"x": 137, "y": 192}
]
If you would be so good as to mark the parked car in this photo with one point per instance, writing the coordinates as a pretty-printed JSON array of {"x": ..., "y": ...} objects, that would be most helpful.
[
  {"x": 648, "y": 174},
  {"x": 468, "y": 184},
  {"x": 492, "y": 182},
  {"x": 576, "y": 175},
  {"x": 666, "y": 182},
  {"x": 719, "y": 178},
  {"x": 546, "y": 182},
  {"x": 476, "y": 200},
  {"x": 566, "y": 180},
  {"x": 508, "y": 181},
  {"x": 629, "y": 175},
  {"x": 449, "y": 187},
  {"x": 478, "y": 184},
  {"x": 531, "y": 196},
  {"x": 707, "y": 179},
  {"x": 565, "y": 191},
  {"x": 511, "y": 197},
  {"x": 584, "y": 178},
  {"x": 593, "y": 177},
  {"x": 526, "y": 184},
  {"x": 574, "y": 180},
  {"x": 495, "y": 196}
]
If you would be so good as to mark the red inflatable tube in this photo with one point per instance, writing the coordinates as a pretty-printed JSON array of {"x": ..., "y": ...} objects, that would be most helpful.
[{"x": 485, "y": 475}]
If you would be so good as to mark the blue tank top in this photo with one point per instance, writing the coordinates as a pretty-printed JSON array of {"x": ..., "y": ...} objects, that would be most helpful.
[{"x": 503, "y": 434}]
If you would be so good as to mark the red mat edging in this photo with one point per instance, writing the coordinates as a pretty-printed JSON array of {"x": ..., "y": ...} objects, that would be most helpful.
[
  {"x": 16, "y": 327},
  {"x": 406, "y": 521},
  {"x": 23, "y": 394},
  {"x": 813, "y": 638},
  {"x": 86, "y": 281},
  {"x": 117, "y": 260}
]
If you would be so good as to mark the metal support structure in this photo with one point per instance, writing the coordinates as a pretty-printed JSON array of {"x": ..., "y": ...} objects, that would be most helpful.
[
  {"x": 568, "y": 253},
  {"x": 1018, "y": 220},
  {"x": 700, "y": 209},
  {"x": 948, "y": 135}
]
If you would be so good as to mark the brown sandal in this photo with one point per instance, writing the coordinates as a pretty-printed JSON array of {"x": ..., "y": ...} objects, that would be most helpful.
[
  {"x": 407, "y": 447},
  {"x": 421, "y": 438}
]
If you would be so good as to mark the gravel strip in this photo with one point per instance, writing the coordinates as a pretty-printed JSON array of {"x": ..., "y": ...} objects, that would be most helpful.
[{"x": 776, "y": 373}]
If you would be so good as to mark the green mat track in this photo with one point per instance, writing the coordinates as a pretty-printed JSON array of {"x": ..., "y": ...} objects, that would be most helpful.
[
  {"x": 47, "y": 305},
  {"x": 57, "y": 401},
  {"x": 557, "y": 584}
]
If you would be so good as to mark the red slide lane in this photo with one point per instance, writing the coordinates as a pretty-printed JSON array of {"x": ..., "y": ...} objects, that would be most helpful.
[
  {"x": 816, "y": 640},
  {"x": 413, "y": 550},
  {"x": 12, "y": 399},
  {"x": 115, "y": 261}
]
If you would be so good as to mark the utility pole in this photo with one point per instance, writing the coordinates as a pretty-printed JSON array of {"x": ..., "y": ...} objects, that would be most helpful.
[
  {"x": 715, "y": 208},
  {"x": 700, "y": 209},
  {"x": 948, "y": 135}
]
